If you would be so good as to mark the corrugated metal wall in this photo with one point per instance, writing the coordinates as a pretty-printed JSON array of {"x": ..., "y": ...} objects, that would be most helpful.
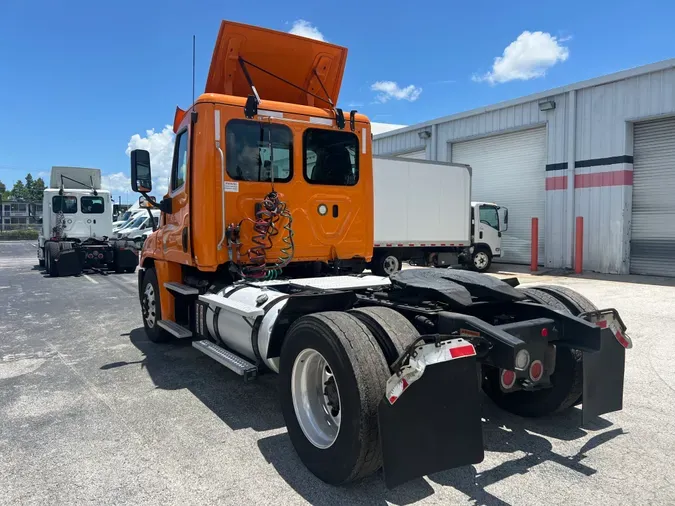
[{"x": 603, "y": 145}]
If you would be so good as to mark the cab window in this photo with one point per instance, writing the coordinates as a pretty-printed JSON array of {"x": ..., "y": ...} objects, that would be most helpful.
[
  {"x": 63, "y": 204},
  {"x": 256, "y": 152},
  {"x": 92, "y": 205},
  {"x": 179, "y": 170},
  {"x": 330, "y": 157},
  {"x": 488, "y": 215}
]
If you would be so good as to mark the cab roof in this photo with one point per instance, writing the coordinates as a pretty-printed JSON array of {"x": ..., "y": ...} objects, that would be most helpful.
[{"x": 304, "y": 62}]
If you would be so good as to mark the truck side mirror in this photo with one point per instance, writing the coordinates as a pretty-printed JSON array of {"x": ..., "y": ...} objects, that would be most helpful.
[
  {"x": 141, "y": 174},
  {"x": 503, "y": 219}
]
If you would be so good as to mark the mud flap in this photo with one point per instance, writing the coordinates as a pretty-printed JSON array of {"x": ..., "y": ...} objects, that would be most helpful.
[
  {"x": 68, "y": 262},
  {"x": 603, "y": 371},
  {"x": 430, "y": 419}
]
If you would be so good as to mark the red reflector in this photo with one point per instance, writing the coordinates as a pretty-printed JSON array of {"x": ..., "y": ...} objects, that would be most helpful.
[
  {"x": 466, "y": 350},
  {"x": 602, "y": 324},
  {"x": 507, "y": 378},
  {"x": 90, "y": 255},
  {"x": 623, "y": 340},
  {"x": 536, "y": 370},
  {"x": 544, "y": 332},
  {"x": 100, "y": 255}
]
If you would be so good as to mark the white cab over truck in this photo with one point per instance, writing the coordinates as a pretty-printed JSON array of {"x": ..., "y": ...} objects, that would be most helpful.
[
  {"x": 424, "y": 215},
  {"x": 77, "y": 226}
]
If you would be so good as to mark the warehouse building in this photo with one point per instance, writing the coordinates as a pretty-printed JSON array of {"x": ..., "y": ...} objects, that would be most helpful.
[{"x": 603, "y": 149}]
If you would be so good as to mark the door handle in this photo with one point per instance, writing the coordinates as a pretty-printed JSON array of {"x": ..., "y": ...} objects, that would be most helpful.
[
  {"x": 480, "y": 234},
  {"x": 185, "y": 239},
  {"x": 335, "y": 211}
]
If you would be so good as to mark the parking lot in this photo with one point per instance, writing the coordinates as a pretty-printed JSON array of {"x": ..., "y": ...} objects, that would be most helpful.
[{"x": 92, "y": 412}]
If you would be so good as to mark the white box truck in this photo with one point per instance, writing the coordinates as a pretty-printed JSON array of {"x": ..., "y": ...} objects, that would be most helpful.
[
  {"x": 77, "y": 226},
  {"x": 424, "y": 215}
]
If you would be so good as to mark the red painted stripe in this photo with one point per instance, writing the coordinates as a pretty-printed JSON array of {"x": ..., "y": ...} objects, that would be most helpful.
[
  {"x": 556, "y": 183},
  {"x": 611, "y": 178},
  {"x": 463, "y": 351},
  {"x": 602, "y": 324}
]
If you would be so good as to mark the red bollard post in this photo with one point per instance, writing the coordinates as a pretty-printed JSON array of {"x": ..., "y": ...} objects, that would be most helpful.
[
  {"x": 534, "y": 255},
  {"x": 579, "y": 252}
]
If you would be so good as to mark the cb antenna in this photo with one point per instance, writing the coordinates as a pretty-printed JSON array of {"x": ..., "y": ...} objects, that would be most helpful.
[{"x": 193, "y": 116}]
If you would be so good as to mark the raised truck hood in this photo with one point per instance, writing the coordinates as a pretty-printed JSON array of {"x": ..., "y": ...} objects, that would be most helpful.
[{"x": 290, "y": 57}]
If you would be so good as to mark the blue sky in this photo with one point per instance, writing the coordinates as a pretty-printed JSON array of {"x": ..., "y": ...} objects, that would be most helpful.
[{"x": 79, "y": 79}]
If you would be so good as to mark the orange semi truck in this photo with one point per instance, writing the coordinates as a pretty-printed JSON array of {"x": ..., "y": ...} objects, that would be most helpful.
[{"x": 265, "y": 229}]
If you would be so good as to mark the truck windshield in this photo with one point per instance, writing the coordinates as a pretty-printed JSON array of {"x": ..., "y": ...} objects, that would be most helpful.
[
  {"x": 249, "y": 157},
  {"x": 330, "y": 157},
  {"x": 65, "y": 205},
  {"x": 92, "y": 205}
]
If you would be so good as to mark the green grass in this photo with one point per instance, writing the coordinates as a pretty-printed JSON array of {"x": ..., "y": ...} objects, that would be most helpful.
[{"x": 13, "y": 235}]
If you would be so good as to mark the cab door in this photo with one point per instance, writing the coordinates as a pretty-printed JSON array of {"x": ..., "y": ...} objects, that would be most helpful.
[
  {"x": 175, "y": 233},
  {"x": 488, "y": 228}
]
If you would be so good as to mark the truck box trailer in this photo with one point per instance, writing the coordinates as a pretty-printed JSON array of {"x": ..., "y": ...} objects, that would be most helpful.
[
  {"x": 77, "y": 226},
  {"x": 424, "y": 215},
  {"x": 249, "y": 264}
]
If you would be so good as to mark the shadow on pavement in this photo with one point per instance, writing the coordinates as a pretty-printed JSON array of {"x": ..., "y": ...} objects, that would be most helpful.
[{"x": 177, "y": 365}]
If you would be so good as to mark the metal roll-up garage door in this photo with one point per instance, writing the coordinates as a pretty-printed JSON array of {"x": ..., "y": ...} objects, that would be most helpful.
[
  {"x": 415, "y": 155},
  {"x": 510, "y": 170},
  {"x": 652, "y": 244}
]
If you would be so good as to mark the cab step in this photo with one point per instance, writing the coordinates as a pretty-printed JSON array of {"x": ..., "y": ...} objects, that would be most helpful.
[
  {"x": 233, "y": 362},
  {"x": 175, "y": 329},
  {"x": 180, "y": 289}
]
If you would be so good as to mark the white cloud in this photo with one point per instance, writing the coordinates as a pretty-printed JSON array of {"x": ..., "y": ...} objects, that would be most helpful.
[
  {"x": 389, "y": 89},
  {"x": 527, "y": 57},
  {"x": 380, "y": 128},
  {"x": 160, "y": 147},
  {"x": 118, "y": 182},
  {"x": 306, "y": 29}
]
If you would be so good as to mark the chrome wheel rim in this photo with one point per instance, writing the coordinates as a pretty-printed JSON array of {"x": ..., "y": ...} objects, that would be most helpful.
[
  {"x": 316, "y": 398},
  {"x": 480, "y": 260},
  {"x": 390, "y": 265},
  {"x": 150, "y": 308}
]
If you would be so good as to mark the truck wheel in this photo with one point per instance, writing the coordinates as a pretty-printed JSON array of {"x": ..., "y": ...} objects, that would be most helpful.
[
  {"x": 575, "y": 303},
  {"x": 151, "y": 308},
  {"x": 566, "y": 380},
  {"x": 332, "y": 377},
  {"x": 51, "y": 251},
  {"x": 393, "y": 331},
  {"x": 481, "y": 259},
  {"x": 386, "y": 264}
]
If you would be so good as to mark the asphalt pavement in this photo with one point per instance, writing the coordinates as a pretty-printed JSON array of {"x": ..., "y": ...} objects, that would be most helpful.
[{"x": 91, "y": 412}]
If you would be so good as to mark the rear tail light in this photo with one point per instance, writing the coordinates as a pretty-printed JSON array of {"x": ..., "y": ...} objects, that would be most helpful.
[
  {"x": 507, "y": 379},
  {"x": 536, "y": 370},
  {"x": 90, "y": 256},
  {"x": 100, "y": 255}
]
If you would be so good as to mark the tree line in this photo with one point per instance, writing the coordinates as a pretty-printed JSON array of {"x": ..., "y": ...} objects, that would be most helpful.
[{"x": 29, "y": 190}]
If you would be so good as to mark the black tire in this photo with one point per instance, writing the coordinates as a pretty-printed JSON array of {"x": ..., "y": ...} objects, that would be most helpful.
[
  {"x": 152, "y": 330},
  {"x": 51, "y": 250},
  {"x": 574, "y": 301},
  {"x": 481, "y": 259},
  {"x": 566, "y": 380},
  {"x": 576, "y": 304},
  {"x": 386, "y": 263},
  {"x": 361, "y": 372},
  {"x": 393, "y": 331}
]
